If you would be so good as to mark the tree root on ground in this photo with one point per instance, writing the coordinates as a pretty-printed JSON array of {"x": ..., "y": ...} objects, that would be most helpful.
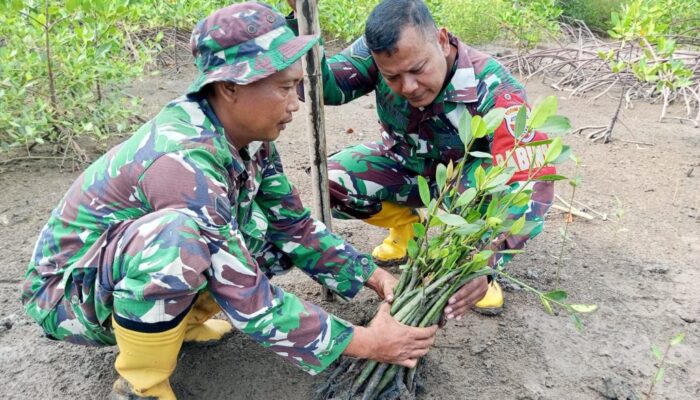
[
  {"x": 579, "y": 68},
  {"x": 342, "y": 383}
]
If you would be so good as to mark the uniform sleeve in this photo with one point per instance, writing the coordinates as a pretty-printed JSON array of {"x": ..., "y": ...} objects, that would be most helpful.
[
  {"x": 195, "y": 183},
  {"x": 348, "y": 74},
  {"x": 325, "y": 257},
  {"x": 500, "y": 89}
]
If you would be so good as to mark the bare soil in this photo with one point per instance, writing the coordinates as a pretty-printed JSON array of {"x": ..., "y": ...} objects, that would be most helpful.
[{"x": 640, "y": 266}]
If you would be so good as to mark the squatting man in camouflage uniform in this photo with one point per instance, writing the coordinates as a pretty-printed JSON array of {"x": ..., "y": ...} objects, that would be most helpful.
[
  {"x": 193, "y": 214},
  {"x": 424, "y": 80}
]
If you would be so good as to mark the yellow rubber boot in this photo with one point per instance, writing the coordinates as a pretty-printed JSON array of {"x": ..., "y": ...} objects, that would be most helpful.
[
  {"x": 202, "y": 329},
  {"x": 145, "y": 362},
  {"x": 492, "y": 303},
  {"x": 399, "y": 220}
]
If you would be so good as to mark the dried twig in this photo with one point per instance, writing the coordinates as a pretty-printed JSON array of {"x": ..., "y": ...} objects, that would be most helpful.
[
  {"x": 636, "y": 142},
  {"x": 602, "y": 216},
  {"x": 573, "y": 211}
]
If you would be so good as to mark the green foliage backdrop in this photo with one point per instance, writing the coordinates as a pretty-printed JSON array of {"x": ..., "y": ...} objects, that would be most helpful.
[{"x": 63, "y": 62}]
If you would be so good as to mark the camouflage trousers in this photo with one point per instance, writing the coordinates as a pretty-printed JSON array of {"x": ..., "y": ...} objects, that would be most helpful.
[
  {"x": 365, "y": 175},
  {"x": 147, "y": 273}
]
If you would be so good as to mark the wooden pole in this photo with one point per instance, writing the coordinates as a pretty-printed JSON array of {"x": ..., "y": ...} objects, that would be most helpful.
[{"x": 307, "y": 15}]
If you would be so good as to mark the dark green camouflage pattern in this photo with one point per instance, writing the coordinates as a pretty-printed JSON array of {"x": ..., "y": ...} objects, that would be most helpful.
[
  {"x": 243, "y": 43},
  {"x": 175, "y": 210}
]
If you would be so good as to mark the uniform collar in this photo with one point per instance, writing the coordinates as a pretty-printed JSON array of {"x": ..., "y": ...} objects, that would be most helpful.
[
  {"x": 462, "y": 87},
  {"x": 238, "y": 158}
]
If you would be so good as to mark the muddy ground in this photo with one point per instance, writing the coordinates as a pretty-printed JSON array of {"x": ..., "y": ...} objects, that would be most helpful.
[{"x": 640, "y": 266}]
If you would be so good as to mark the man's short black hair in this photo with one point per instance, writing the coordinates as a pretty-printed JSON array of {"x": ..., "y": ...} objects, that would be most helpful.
[{"x": 386, "y": 21}]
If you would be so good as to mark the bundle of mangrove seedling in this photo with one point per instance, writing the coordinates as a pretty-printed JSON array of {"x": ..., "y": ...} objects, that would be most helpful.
[{"x": 455, "y": 241}]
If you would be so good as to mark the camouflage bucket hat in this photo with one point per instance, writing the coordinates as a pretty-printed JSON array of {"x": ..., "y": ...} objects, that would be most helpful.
[{"x": 243, "y": 43}]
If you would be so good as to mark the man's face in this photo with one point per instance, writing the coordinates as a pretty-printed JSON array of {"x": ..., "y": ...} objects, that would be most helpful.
[
  {"x": 261, "y": 110},
  {"x": 417, "y": 69}
]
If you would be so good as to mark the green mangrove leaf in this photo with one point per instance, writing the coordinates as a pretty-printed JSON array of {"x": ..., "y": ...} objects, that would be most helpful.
[
  {"x": 511, "y": 251},
  {"x": 678, "y": 339},
  {"x": 554, "y": 150},
  {"x": 537, "y": 143},
  {"x": 659, "y": 375},
  {"x": 469, "y": 229},
  {"x": 412, "y": 249},
  {"x": 502, "y": 178},
  {"x": 480, "y": 154},
  {"x": 576, "y": 181},
  {"x": 494, "y": 118},
  {"x": 479, "y": 177},
  {"x": 465, "y": 131},
  {"x": 424, "y": 190},
  {"x": 520, "y": 121},
  {"x": 483, "y": 255},
  {"x": 518, "y": 225},
  {"x": 555, "y": 125},
  {"x": 493, "y": 222},
  {"x": 557, "y": 295},
  {"x": 432, "y": 206},
  {"x": 583, "y": 308},
  {"x": 492, "y": 209},
  {"x": 547, "y": 305},
  {"x": 541, "y": 112},
  {"x": 451, "y": 259},
  {"x": 452, "y": 219},
  {"x": 565, "y": 156},
  {"x": 521, "y": 199},
  {"x": 550, "y": 178},
  {"x": 418, "y": 230},
  {"x": 498, "y": 189},
  {"x": 478, "y": 127},
  {"x": 474, "y": 216},
  {"x": 466, "y": 197},
  {"x": 577, "y": 322},
  {"x": 435, "y": 221},
  {"x": 441, "y": 176}
]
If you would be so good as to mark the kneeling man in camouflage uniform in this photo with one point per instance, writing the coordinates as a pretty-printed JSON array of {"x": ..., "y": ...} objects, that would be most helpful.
[{"x": 193, "y": 214}]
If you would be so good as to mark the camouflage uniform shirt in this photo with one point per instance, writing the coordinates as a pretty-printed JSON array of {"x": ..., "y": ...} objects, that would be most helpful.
[
  {"x": 241, "y": 202},
  {"x": 420, "y": 138}
]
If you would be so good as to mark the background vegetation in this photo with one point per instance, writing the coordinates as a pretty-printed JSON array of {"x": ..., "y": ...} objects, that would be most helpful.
[{"x": 63, "y": 62}]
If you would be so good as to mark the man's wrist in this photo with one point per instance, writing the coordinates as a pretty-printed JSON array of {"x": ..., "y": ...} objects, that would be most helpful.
[
  {"x": 375, "y": 280},
  {"x": 360, "y": 344}
]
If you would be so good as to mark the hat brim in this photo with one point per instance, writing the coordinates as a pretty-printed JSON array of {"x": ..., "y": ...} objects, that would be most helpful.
[{"x": 263, "y": 65}]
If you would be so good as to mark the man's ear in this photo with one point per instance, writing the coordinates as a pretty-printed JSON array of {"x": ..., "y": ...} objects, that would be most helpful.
[
  {"x": 226, "y": 91},
  {"x": 444, "y": 41}
]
